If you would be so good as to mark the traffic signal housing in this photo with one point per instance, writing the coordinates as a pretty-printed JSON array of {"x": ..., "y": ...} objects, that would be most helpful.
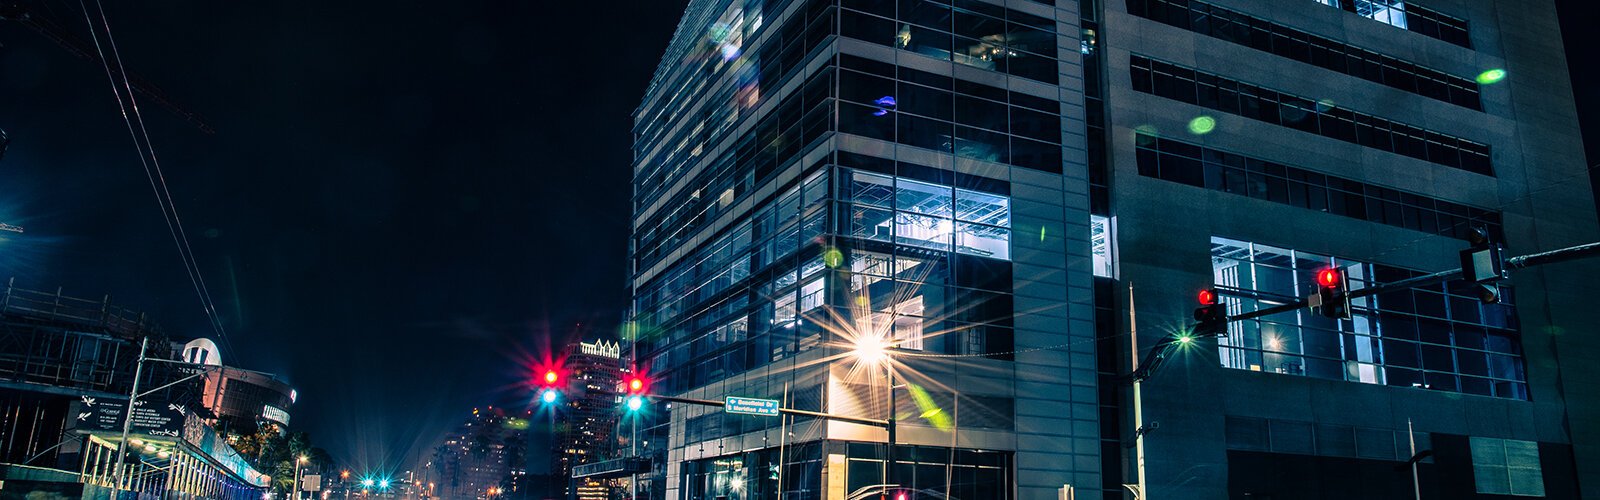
[
  {"x": 551, "y": 382},
  {"x": 1211, "y": 318},
  {"x": 1483, "y": 265},
  {"x": 634, "y": 389},
  {"x": 1332, "y": 297}
]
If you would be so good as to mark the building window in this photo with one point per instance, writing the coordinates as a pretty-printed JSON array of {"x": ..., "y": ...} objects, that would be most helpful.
[
  {"x": 1392, "y": 12},
  {"x": 921, "y": 214},
  {"x": 1100, "y": 244},
  {"x": 1506, "y": 467},
  {"x": 811, "y": 295},
  {"x": 1305, "y": 114},
  {"x": 1200, "y": 166},
  {"x": 1438, "y": 337},
  {"x": 1283, "y": 41},
  {"x": 1409, "y": 17}
]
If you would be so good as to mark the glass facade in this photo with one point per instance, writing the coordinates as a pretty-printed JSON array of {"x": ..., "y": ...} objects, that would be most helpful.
[
  {"x": 1439, "y": 337},
  {"x": 948, "y": 115},
  {"x": 969, "y": 32},
  {"x": 755, "y": 242}
]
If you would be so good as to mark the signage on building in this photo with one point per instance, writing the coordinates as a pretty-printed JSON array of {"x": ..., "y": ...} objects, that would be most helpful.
[
  {"x": 751, "y": 406},
  {"x": 151, "y": 417},
  {"x": 275, "y": 414},
  {"x": 602, "y": 348}
]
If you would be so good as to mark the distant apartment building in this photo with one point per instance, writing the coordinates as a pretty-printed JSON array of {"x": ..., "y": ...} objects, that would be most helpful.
[
  {"x": 586, "y": 421},
  {"x": 482, "y": 457}
]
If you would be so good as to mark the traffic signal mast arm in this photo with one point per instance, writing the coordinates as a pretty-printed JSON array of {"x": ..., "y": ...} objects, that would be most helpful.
[
  {"x": 1158, "y": 353},
  {"x": 1519, "y": 262}
]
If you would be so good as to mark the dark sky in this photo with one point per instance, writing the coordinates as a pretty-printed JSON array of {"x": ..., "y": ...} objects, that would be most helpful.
[{"x": 402, "y": 200}]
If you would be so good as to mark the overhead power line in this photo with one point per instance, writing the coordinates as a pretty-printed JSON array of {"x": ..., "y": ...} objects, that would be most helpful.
[{"x": 122, "y": 90}]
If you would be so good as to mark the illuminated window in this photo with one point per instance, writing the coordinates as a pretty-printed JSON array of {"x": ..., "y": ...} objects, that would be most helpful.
[
  {"x": 811, "y": 295},
  {"x": 921, "y": 214},
  {"x": 1100, "y": 245},
  {"x": 1392, "y": 12}
]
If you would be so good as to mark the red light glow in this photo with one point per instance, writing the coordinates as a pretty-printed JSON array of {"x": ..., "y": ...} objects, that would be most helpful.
[
  {"x": 1207, "y": 297},
  {"x": 1329, "y": 278}
]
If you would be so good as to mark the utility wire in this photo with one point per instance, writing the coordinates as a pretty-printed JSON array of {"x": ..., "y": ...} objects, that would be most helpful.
[
  {"x": 147, "y": 157},
  {"x": 205, "y": 292}
]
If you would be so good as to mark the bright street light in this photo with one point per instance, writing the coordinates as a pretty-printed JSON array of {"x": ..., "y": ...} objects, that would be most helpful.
[{"x": 870, "y": 349}]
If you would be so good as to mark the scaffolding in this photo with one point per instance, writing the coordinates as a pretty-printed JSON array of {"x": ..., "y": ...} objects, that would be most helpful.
[{"x": 48, "y": 338}]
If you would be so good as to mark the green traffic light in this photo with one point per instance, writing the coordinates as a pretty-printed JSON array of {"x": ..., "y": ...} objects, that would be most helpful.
[{"x": 635, "y": 403}]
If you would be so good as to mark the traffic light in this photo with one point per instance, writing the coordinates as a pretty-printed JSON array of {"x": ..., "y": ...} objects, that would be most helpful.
[
  {"x": 635, "y": 387},
  {"x": 1332, "y": 297},
  {"x": 1484, "y": 265},
  {"x": 1211, "y": 317},
  {"x": 551, "y": 383}
]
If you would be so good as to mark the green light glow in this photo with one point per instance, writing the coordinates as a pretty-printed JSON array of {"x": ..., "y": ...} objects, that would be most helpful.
[
  {"x": 1492, "y": 76},
  {"x": 930, "y": 410},
  {"x": 1202, "y": 125},
  {"x": 832, "y": 257}
]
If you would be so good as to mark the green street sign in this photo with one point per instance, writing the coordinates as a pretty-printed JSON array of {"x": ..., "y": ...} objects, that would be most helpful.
[{"x": 751, "y": 406}]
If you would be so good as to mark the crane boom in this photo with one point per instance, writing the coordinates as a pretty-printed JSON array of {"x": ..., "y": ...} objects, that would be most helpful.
[{"x": 48, "y": 28}]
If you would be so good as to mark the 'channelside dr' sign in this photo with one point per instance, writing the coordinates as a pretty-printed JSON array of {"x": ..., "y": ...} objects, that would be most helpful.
[
  {"x": 150, "y": 418},
  {"x": 751, "y": 406}
]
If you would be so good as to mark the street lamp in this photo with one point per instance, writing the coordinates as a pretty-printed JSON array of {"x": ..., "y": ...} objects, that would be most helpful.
[
  {"x": 872, "y": 350},
  {"x": 299, "y": 462}
]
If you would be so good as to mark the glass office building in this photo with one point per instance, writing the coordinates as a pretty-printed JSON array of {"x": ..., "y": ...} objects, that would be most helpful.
[
  {"x": 988, "y": 185},
  {"x": 812, "y": 175}
]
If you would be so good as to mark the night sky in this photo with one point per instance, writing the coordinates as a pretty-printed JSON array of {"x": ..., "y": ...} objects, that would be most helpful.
[{"x": 402, "y": 200}]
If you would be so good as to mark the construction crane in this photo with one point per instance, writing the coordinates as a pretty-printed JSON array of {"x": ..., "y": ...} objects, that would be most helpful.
[{"x": 48, "y": 28}]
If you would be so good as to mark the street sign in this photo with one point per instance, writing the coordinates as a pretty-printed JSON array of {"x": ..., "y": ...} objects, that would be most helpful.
[
  {"x": 311, "y": 482},
  {"x": 151, "y": 417},
  {"x": 751, "y": 406}
]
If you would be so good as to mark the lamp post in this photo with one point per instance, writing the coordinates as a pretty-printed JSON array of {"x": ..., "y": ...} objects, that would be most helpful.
[
  {"x": 298, "y": 463},
  {"x": 873, "y": 350}
]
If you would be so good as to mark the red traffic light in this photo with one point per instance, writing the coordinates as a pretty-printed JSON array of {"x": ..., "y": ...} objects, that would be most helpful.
[
  {"x": 1207, "y": 296},
  {"x": 635, "y": 385},
  {"x": 1330, "y": 278},
  {"x": 551, "y": 377}
]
